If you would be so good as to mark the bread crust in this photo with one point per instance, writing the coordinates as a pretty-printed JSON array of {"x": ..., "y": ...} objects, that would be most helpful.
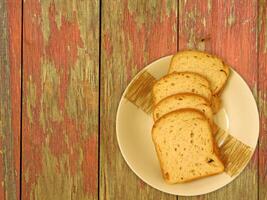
[
  {"x": 214, "y": 146},
  {"x": 216, "y": 103},
  {"x": 214, "y": 126},
  {"x": 226, "y": 67},
  {"x": 223, "y": 86},
  {"x": 179, "y": 94}
]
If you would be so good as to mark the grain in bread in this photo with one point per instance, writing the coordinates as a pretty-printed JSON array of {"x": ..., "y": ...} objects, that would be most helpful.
[
  {"x": 183, "y": 82},
  {"x": 182, "y": 100},
  {"x": 185, "y": 146},
  {"x": 209, "y": 66}
]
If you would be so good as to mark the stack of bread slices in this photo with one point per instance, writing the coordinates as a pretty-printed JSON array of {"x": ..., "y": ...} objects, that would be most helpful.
[{"x": 184, "y": 103}]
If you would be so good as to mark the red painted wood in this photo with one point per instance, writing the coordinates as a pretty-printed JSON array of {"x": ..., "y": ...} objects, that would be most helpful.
[
  {"x": 32, "y": 134},
  {"x": 14, "y": 8},
  {"x": 139, "y": 32},
  {"x": 227, "y": 29},
  {"x": 10, "y": 98},
  {"x": 60, "y": 100},
  {"x": 60, "y": 141},
  {"x": 262, "y": 98}
]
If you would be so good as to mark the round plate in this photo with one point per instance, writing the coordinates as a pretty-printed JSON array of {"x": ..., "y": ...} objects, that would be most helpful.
[{"x": 238, "y": 115}]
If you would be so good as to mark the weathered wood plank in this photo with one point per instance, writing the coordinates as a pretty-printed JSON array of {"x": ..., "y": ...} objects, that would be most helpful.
[
  {"x": 262, "y": 97},
  {"x": 227, "y": 29},
  {"x": 60, "y": 99},
  {"x": 10, "y": 98},
  {"x": 134, "y": 33}
]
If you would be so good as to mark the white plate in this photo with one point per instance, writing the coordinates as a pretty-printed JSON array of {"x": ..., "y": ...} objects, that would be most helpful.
[{"x": 239, "y": 115}]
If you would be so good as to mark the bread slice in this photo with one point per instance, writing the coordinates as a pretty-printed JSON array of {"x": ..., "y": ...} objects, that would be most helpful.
[
  {"x": 209, "y": 66},
  {"x": 182, "y": 100},
  {"x": 180, "y": 83},
  {"x": 185, "y": 100},
  {"x": 185, "y": 146}
]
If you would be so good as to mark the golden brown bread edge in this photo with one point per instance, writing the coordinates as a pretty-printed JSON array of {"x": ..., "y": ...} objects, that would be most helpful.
[
  {"x": 215, "y": 148},
  {"x": 213, "y": 125},
  {"x": 182, "y": 93},
  {"x": 213, "y": 56}
]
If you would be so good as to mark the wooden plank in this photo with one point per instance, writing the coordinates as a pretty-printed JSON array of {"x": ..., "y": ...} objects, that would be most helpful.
[
  {"x": 262, "y": 98},
  {"x": 10, "y": 98},
  {"x": 227, "y": 29},
  {"x": 60, "y": 99},
  {"x": 134, "y": 33}
]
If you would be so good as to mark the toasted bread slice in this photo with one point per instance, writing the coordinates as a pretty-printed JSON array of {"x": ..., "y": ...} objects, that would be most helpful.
[
  {"x": 209, "y": 66},
  {"x": 183, "y": 82},
  {"x": 185, "y": 146},
  {"x": 182, "y": 100}
]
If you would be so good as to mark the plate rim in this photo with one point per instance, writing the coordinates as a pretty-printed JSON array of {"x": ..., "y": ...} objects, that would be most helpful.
[{"x": 132, "y": 168}]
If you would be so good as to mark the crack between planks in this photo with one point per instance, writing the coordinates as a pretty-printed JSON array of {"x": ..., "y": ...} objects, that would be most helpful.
[
  {"x": 99, "y": 98},
  {"x": 21, "y": 102}
]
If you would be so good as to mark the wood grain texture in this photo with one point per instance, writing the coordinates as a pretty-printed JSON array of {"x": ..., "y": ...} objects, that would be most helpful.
[
  {"x": 229, "y": 30},
  {"x": 60, "y": 99},
  {"x": 10, "y": 98},
  {"x": 134, "y": 33},
  {"x": 262, "y": 98}
]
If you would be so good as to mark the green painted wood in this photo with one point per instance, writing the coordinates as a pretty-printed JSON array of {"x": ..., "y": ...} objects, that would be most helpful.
[
  {"x": 262, "y": 97},
  {"x": 134, "y": 33},
  {"x": 227, "y": 29},
  {"x": 10, "y": 98},
  {"x": 60, "y": 100}
]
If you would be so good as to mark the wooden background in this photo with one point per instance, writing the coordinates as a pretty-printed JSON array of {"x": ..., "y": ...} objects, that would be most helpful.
[{"x": 64, "y": 66}]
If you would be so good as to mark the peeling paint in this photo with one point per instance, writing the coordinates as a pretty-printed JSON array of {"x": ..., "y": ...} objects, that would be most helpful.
[
  {"x": 204, "y": 22},
  {"x": 107, "y": 44},
  {"x": 26, "y": 175},
  {"x": 50, "y": 111},
  {"x": 58, "y": 20},
  {"x": 85, "y": 12},
  {"x": 261, "y": 20},
  {"x": 191, "y": 40},
  {"x": 265, "y": 35},
  {"x": 209, "y": 5},
  {"x": 87, "y": 161},
  {"x": 262, "y": 102},
  {"x": 67, "y": 35},
  {"x": 260, "y": 16},
  {"x": 45, "y": 20},
  {"x": 64, "y": 185},
  {"x": 190, "y": 20},
  {"x": 174, "y": 30},
  {"x": 7, "y": 135},
  {"x": 135, "y": 35},
  {"x": 139, "y": 14},
  {"x": 33, "y": 52},
  {"x": 79, "y": 103},
  {"x": 169, "y": 7},
  {"x": 231, "y": 17},
  {"x": 181, "y": 8},
  {"x": 67, "y": 9},
  {"x": 31, "y": 100},
  {"x": 134, "y": 44},
  {"x": 14, "y": 13}
]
